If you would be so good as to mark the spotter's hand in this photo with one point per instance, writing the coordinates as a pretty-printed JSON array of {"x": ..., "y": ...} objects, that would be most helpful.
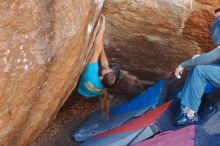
[
  {"x": 179, "y": 71},
  {"x": 195, "y": 56}
]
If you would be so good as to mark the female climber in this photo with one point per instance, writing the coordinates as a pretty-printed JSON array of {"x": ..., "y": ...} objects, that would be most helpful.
[
  {"x": 98, "y": 76},
  {"x": 205, "y": 69}
]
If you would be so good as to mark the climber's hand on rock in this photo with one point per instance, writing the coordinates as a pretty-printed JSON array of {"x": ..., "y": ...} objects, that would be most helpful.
[
  {"x": 179, "y": 71},
  {"x": 197, "y": 55}
]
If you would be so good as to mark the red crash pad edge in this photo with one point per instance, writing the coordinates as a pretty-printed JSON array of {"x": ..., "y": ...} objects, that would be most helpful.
[{"x": 138, "y": 123}]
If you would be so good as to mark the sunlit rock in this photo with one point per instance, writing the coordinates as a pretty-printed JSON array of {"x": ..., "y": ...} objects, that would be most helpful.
[
  {"x": 151, "y": 37},
  {"x": 44, "y": 46}
]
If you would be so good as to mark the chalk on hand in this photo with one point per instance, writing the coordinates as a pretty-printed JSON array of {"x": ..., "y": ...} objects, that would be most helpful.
[{"x": 178, "y": 76}]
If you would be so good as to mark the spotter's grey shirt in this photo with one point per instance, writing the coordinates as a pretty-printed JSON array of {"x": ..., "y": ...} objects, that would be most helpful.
[{"x": 212, "y": 57}]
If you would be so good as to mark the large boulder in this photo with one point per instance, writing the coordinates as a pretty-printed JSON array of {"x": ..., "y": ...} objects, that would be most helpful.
[
  {"x": 44, "y": 46},
  {"x": 151, "y": 37}
]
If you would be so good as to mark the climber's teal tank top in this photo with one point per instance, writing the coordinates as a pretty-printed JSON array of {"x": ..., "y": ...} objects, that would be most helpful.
[{"x": 90, "y": 84}]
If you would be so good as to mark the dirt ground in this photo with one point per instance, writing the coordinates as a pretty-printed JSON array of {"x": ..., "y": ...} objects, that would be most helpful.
[{"x": 73, "y": 113}]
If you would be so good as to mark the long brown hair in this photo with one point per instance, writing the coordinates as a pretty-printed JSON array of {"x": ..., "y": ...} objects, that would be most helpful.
[
  {"x": 109, "y": 79},
  {"x": 104, "y": 101}
]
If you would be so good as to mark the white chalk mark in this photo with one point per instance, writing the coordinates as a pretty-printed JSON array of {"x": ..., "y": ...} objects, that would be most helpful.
[
  {"x": 99, "y": 3},
  {"x": 18, "y": 60},
  {"x": 4, "y": 59},
  {"x": 154, "y": 38},
  {"x": 90, "y": 28},
  {"x": 21, "y": 47},
  {"x": 25, "y": 60},
  {"x": 137, "y": 4},
  {"x": 26, "y": 67},
  {"x": 185, "y": 4}
]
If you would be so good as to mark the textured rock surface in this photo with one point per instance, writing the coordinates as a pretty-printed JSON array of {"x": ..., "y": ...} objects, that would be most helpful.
[
  {"x": 150, "y": 37},
  {"x": 43, "y": 48}
]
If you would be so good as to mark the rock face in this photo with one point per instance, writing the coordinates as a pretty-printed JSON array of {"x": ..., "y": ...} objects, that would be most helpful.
[
  {"x": 44, "y": 46},
  {"x": 151, "y": 37}
]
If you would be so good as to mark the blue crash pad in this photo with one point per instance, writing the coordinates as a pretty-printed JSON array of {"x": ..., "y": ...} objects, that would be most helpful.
[
  {"x": 131, "y": 132},
  {"x": 118, "y": 115}
]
